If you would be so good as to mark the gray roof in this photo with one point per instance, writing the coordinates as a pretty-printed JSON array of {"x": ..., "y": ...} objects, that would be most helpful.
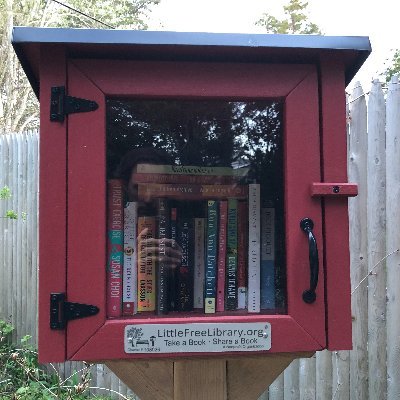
[{"x": 188, "y": 46}]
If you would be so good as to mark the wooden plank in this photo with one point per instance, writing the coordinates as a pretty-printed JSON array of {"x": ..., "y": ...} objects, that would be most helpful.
[
  {"x": 52, "y": 229},
  {"x": 276, "y": 389},
  {"x": 376, "y": 203},
  {"x": 200, "y": 379},
  {"x": 148, "y": 379},
  {"x": 393, "y": 238},
  {"x": 307, "y": 379},
  {"x": 292, "y": 385},
  {"x": 323, "y": 375},
  {"x": 337, "y": 264},
  {"x": 357, "y": 172},
  {"x": 341, "y": 375},
  {"x": 248, "y": 378}
]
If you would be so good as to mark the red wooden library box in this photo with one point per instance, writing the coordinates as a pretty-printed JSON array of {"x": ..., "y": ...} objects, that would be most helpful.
[{"x": 193, "y": 192}]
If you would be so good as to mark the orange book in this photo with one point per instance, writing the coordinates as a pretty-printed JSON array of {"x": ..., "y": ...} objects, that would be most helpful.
[{"x": 146, "y": 265}]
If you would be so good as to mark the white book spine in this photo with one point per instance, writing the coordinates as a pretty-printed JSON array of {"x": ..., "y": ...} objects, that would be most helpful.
[
  {"x": 253, "y": 304},
  {"x": 129, "y": 296},
  {"x": 199, "y": 262}
]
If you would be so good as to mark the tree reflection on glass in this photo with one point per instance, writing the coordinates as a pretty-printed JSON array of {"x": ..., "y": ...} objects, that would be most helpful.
[{"x": 209, "y": 133}]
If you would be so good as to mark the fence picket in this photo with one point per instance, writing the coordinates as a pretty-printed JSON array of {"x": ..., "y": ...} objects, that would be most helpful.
[
  {"x": 393, "y": 238},
  {"x": 357, "y": 172},
  {"x": 376, "y": 242}
]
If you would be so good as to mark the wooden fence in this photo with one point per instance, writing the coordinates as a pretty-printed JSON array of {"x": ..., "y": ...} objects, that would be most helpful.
[{"x": 372, "y": 369}]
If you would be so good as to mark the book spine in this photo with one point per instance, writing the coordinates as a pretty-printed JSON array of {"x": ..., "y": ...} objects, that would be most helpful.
[
  {"x": 223, "y": 210},
  {"x": 115, "y": 253},
  {"x": 129, "y": 297},
  {"x": 199, "y": 262},
  {"x": 161, "y": 264},
  {"x": 188, "y": 179},
  {"x": 242, "y": 254},
  {"x": 211, "y": 257},
  {"x": 253, "y": 304},
  {"x": 148, "y": 191},
  {"x": 172, "y": 272},
  {"x": 231, "y": 256},
  {"x": 146, "y": 264},
  {"x": 185, "y": 276},
  {"x": 189, "y": 170},
  {"x": 267, "y": 258}
]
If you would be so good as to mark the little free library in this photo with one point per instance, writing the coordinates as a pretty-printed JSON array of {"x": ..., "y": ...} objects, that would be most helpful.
[{"x": 193, "y": 193}]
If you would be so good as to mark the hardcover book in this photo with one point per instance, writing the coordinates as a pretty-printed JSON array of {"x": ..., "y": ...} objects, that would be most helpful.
[
  {"x": 129, "y": 297},
  {"x": 211, "y": 257},
  {"x": 253, "y": 303},
  {"x": 231, "y": 256},
  {"x": 223, "y": 210},
  {"x": 163, "y": 233},
  {"x": 148, "y": 191},
  {"x": 267, "y": 258},
  {"x": 172, "y": 272},
  {"x": 190, "y": 170},
  {"x": 115, "y": 242},
  {"x": 199, "y": 262},
  {"x": 146, "y": 264},
  {"x": 185, "y": 271},
  {"x": 185, "y": 178},
  {"x": 242, "y": 254}
]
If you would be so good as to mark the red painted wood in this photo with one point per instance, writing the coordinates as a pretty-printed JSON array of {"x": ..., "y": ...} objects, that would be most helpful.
[
  {"x": 287, "y": 336},
  {"x": 304, "y": 328},
  {"x": 52, "y": 204},
  {"x": 302, "y": 167},
  {"x": 86, "y": 209},
  {"x": 334, "y": 189},
  {"x": 160, "y": 79},
  {"x": 334, "y": 152}
]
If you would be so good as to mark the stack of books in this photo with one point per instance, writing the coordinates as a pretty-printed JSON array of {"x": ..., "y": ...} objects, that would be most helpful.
[{"x": 205, "y": 244}]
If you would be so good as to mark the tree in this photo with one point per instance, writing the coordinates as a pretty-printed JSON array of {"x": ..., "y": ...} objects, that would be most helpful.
[
  {"x": 296, "y": 20},
  {"x": 19, "y": 108},
  {"x": 394, "y": 66}
]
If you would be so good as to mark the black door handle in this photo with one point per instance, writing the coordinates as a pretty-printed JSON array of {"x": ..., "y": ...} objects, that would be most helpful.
[{"x": 307, "y": 226}]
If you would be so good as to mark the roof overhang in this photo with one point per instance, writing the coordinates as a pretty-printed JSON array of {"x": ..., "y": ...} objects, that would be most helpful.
[{"x": 186, "y": 46}]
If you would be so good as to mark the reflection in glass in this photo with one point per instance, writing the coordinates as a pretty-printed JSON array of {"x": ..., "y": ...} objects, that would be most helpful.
[{"x": 244, "y": 135}]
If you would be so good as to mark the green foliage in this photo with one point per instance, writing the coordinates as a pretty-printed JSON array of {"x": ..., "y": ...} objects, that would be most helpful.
[
  {"x": 296, "y": 20},
  {"x": 21, "y": 377},
  {"x": 5, "y": 193},
  {"x": 394, "y": 67},
  {"x": 116, "y": 13}
]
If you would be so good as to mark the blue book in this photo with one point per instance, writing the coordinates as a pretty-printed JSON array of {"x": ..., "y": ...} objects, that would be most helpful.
[{"x": 211, "y": 257}]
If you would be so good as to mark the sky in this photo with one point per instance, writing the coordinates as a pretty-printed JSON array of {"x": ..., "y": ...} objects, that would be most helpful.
[{"x": 379, "y": 20}]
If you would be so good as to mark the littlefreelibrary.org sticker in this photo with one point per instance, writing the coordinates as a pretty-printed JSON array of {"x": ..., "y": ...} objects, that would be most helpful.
[{"x": 197, "y": 338}]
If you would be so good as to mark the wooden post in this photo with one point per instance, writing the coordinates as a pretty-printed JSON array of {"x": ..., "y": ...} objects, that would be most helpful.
[{"x": 202, "y": 379}]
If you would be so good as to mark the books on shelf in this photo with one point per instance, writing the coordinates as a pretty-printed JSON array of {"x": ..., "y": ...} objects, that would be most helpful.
[
  {"x": 115, "y": 241},
  {"x": 226, "y": 239}
]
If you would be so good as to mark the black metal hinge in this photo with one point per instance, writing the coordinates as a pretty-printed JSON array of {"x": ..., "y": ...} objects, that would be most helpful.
[
  {"x": 62, "y": 311},
  {"x": 62, "y": 105}
]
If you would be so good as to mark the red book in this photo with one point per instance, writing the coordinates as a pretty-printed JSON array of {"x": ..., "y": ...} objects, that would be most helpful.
[
  {"x": 223, "y": 210},
  {"x": 147, "y": 177},
  {"x": 148, "y": 191},
  {"x": 115, "y": 247},
  {"x": 242, "y": 254}
]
